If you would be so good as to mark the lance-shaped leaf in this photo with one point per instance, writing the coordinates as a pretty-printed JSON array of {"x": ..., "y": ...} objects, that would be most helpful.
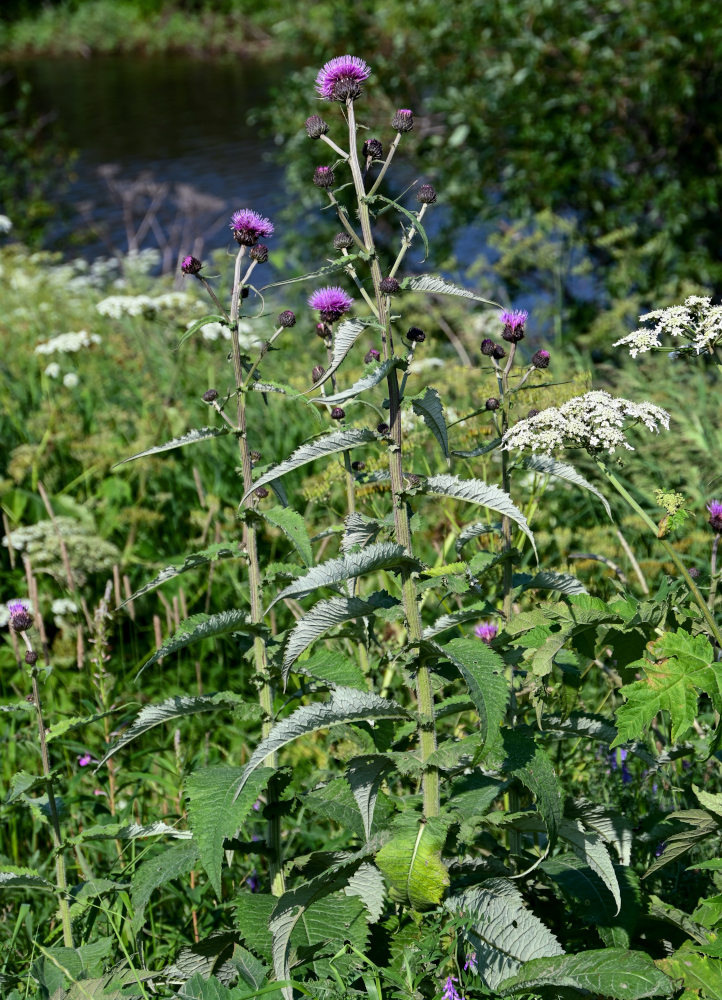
[
  {"x": 383, "y": 555},
  {"x": 202, "y": 626},
  {"x": 429, "y": 407},
  {"x": 365, "y": 774},
  {"x": 214, "y": 811},
  {"x": 477, "y": 492},
  {"x": 195, "y": 327},
  {"x": 411, "y": 861},
  {"x": 368, "y": 884},
  {"x": 337, "y": 265},
  {"x": 367, "y": 381},
  {"x": 500, "y": 929},
  {"x": 173, "y": 862},
  {"x": 330, "y": 444},
  {"x": 483, "y": 670},
  {"x": 594, "y": 727},
  {"x": 358, "y": 530},
  {"x": 473, "y": 531},
  {"x": 482, "y": 449},
  {"x": 440, "y": 286},
  {"x": 588, "y": 899},
  {"x": 607, "y": 972},
  {"x": 564, "y": 583},
  {"x": 178, "y": 707},
  {"x": 613, "y": 827},
  {"x": 413, "y": 220},
  {"x": 344, "y": 705},
  {"x": 530, "y": 764},
  {"x": 590, "y": 848},
  {"x": 344, "y": 338},
  {"x": 456, "y": 618},
  {"x": 129, "y": 831},
  {"x": 549, "y": 466},
  {"x": 23, "y": 878},
  {"x": 193, "y": 560},
  {"x": 192, "y": 437},
  {"x": 325, "y": 615},
  {"x": 294, "y": 528}
]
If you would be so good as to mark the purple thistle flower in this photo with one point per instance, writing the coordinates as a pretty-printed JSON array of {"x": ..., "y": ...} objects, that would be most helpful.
[
  {"x": 331, "y": 302},
  {"x": 486, "y": 631},
  {"x": 403, "y": 120},
  {"x": 541, "y": 359},
  {"x": 248, "y": 227},
  {"x": 513, "y": 321},
  {"x": 715, "y": 515},
  {"x": 190, "y": 265},
  {"x": 450, "y": 991},
  {"x": 341, "y": 78},
  {"x": 20, "y": 618},
  {"x": 85, "y": 760}
]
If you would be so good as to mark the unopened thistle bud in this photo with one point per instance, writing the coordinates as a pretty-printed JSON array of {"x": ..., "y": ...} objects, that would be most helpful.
[
  {"x": 259, "y": 253},
  {"x": 372, "y": 355},
  {"x": 383, "y": 428},
  {"x": 210, "y": 396},
  {"x": 338, "y": 413},
  {"x": 316, "y": 127},
  {"x": 487, "y": 347},
  {"x": 261, "y": 492},
  {"x": 541, "y": 359},
  {"x": 389, "y": 286},
  {"x": 513, "y": 321},
  {"x": 286, "y": 318},
  {"x": 190, "y": 265},
  {"x": 426, "y": 194},
  {"x": 323, "y": 177},
  {"x": 498, "y": 353},
  {"x": 374, "y": 149},
  {"x": 403, "y": 120},
  {"x": 318, "y": 372},
  {"x": 245, "y": 292},
  {"x": 415, "y": 335},
  {"x": 254, "y": 455},
  {"x": 358, "y": 466},
  {"x": 342, "y": 241},
  {"x": 31, "y": 657},
  {"x": 492, "y": 403},
  {"x": 715, "y": 516}
]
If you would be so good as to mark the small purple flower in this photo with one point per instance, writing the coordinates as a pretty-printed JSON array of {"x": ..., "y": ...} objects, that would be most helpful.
[
  {"x": 470, "y": 962},
  {"x": 331, "y": 302},
  {"x": 450, "y": 991},
  {"x": 513, "y": 321},
  {"x": 403, "y": 120},
  {"x": 371, "y": 355},
  {"x": 253, "y": 882},
  {"x": 715, "y": 515},
  {"x": 84, "y": 760},
  {"x": 541, "y": 359},
  {"x": 486, "y": 631},
  {"x": 257, "y": 805},
  {"x": 620, "y": 756},
  {"x": 248, "y": 227},
  {"x": 341, "y": 78}
]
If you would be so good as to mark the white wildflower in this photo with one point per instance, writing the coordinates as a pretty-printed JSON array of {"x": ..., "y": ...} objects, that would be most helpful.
[
  {"x": 697, "y": 322},
  {"x": 62, "y": 609},
  {"x": 212, "y": 331},
  {"x": 70, "y": 380},
  {"x": 117, "y": 306},
  {"x": 53, "y": 369},
  {"x": 5, "y": 224},
  {"x": 68, "y": 343},
  {"x": 594, "y": 421}
]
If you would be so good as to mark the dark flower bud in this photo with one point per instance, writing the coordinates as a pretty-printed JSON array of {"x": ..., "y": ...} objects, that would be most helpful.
[
  {"x": 342, "y": 241},
  {"x": 541, "y": 359},
  {"x": 259, "y": 253},
  {"x": 487, "y": 347},
  {"x": 286, "y": 318},
  {"x": 403, "y": 120},
  {"x": 190, "y": 265},
  {"x": 323, "y": 177},
  {"x": 20, "y": 618},
  {"x": 532, "y": 413},
  {"x": 321, "y": 330},
  {"x": 426, "y": 194},
  {"x": 374, "y": 149},
  {"x": 372, "y": 355},
  {"x": 415, "y": 335},
  {"x": 338, "y": 413},
  {"x": 261, "y": 492},
  {"x": 412, "y": 479},
  {"x": 255, "y": 456},
  {"x": 389, "y": 286},
  {"x": 346, "y": 89},
  {"x": 498, "y": 353},
  {"x": 245, "y": 292},
  {"x": 693, "y": 572},
  {"x": 492, "y": 403},
  {"x": 358, "y": 466},
  {"x": 383, "y": 428},
  {"x": 318, "y": 372},
  {"x": 210, "y": 396},
  {"x": 31, "y": 657},
  {"x": 316, "y": 127},
  {"x": 715, "y": 516}
]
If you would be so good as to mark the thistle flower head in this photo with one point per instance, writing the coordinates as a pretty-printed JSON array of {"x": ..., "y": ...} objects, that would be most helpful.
[
  {"x": 338, "y": 413},
  {"x": 373, "y": 148},
  {"x": 210, "y": 396},
  {"x": 341, "y": 78},
  {"x": 332, "y": 302},
  {"x": 259, "y": 253},
  {"x": 371, "y": 355},
  {"x": 403, "y": 120},
  {"x": 415, "y": 335},
  {"x": 513, "y": 321},
  {"x": 316, "y": 127},
  {"x": 389, "y": 286},
  {"x": 287, "y": 318},
  {"x": 486, "y": 631},
  {"x": 426, "y": 194},
  {"x": 20, "y": 618},
  {"x": 715, "y": 515},
  {"x": 541, "y": 359},
  {"x": 487, "y": 347},
  {"x": 248, "y": 227},
  {"x": 342, "y": 241},
  {"x": 323, "y": 177},
  {"x": 190, "y": 265}
]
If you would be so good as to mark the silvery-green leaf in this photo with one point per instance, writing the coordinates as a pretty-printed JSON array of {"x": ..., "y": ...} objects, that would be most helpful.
[
  {"x": 344, "y": 338},
  {"x": 477, "y": 492},
  {"x": 201, "y": 626},
  {"x": 337, "y": 265},
  {"x": 193, "y": 560},
  {"x": 329, "y": 444},
  {"x": 383, "y": 555},
  {"x": 192, "y": 437},
  {"x": 590, "y": 848},
  {"x": 613, "y": 827},
  {"x": 358, "y": 530},
  {"x": 440, "y": 286},
  {"x": 564, "y": 583},
  {"x": 595, "y": 727},
  {"x": 365, "y": 774},
  {"x": 549, "y": 466},
  {"x": 473, "y": 531},
  {"x": 23, "y": 878},
  {"x": 129, "y": 831},
  {"x": 294, "y": 528},
  {"x": 367, "y": 381},
  {"x": 368, "y": 884},
  {"x": 195, "y": 327},
  {"x": 429, "y": 407},
  {"x": 456, "y": 618},
  {"x": 606, "y": 972}
]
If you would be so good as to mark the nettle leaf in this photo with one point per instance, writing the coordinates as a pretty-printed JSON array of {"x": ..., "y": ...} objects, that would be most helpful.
[
  {"x": 75, "y": 722},
  {"x": 365, "y": 774},
  {"x": 324, "y": 616},
  {"x": 333, "y": 669},
  {"x": 482, "y": 449},
  {"x": 614, "y": 828},
  {"x": 344, "y": 338},
  {"x": 329, "y": 444},
  {"x": 477, "y": 492},
  {"x": 474, "y": 531},
  {"x": 456, "y": 618},
  {"x": 411, "y": 861},
  {"x": 215, "y": 812},
  {"x": 367, "y": 381},
  {"x": 206, "y": 958},
  {"x": 530, "y": 764},
  {"x": 549, "y": 466},
  {"x": 429, "y": 407},
  {"x": 590, "y": 848},
  {"x": 154, "y": 872},
  {"x": 500, "y": 929},
  {"x": 382, "y": 555},
  {"x": 193, "y": 560},
  {"x": 683, "y": 665},
  {"x": 483, "y": 670},
  {"x": 440, "y": 286},
  {"x": 199, "y": 627},
  {"x": 12, "y": 877},
  {"x": 344, "y": 705},
  {"x": 607, "y": 972},
  {"x": 368, "y": 884},
  {"x": 192, "y": 437},
  {"x": 179, "y": 706},
  {"x": 294, "y": 528},
  {"x": 701, "y": 826},
  {"x": 337, "y": 265},
  {"x": 335, "y": 801},
  {"x": 701, "y": 975},
  {"x": 565, "y": 583},
  {"x": 358, "y": 530},
  {"x": 129, "y": 831}
]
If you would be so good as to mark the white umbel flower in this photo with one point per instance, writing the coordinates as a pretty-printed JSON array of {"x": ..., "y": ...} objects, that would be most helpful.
[
  {"x": 697, "y": 326},
  {"x": 68, "y": 343},
  {"x": 594, "y": 421}
]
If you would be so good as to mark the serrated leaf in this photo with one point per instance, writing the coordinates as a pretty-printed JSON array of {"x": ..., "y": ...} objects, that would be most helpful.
[
  {"x": 367, "y": 381},
  {"x": 252, "y": 971},
  {"x": 329, "y": 444},
  {"x": 368, "y": 884},
  {"x": 364, "y": 775},
  {"x": 382, "y": 555},
  {"x": 198, "y": 627},
  {"x": 324, "y": 616},
  {"x": 607, "y": 972},
  {"x": 179, "y": 706},
  {"x": 530, "y": 764},
  {"x": 215, "y": 812},
  {"x": 477, "y": 492},
  {"x": 344, "y": 338},
  {"x": 564, "y": 583},
  {"x": 252, "y": 917},
  {"x": 701, "y": 975},
  {"x": 549, "y": 466},
  {"x": 413, "y": 222},
  {"x": 337, "y": 265},
  {"x": 154, "y": 872},
  {"x": 344, "y": 705},
  {"x": 429, "y": 407},
  {"x": 193, "y": 560},
  {"x": 613, "y": 827},
  {"x": 198, "y": 987},
  {"x": 192, "y": 437},
  {"x": 358, "y": 530},
  {"x": 335, "y": 801},
  {"x": 12, "y": 877},
  {"x": 128, "y": 831},
  {"x": 202, "y": 959},
  {"x": 411, "y": 861},
  {"x": 483, "y": 670},
  {"x": 591, "y": 849},
  {"x": 294, "y": 528},
  {"x": 584, "y": 891},
  {"x": 473, "y": 531},
  {"x": 594, "y": 727},
  {"x": 500, "y": 929},
  {"x": 482, "y": 449},
  {"x": 333, "y": 669},
  {"x": 456, "y": 618},
  {"x": 701, "y": 826},
  {"x": 440, "y": 286}
]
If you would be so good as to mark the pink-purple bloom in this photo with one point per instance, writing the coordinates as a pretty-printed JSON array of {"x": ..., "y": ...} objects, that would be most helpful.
[
  {"x": 84, "y": 760},
  {"x": 248, "y": 227},
  {"x": 20, "y": 618},
  {"x": 513, "y": 321},
  {"x": 450, "y": 991},
  {"x": 486, "y": 631},
  {"x": 341, "y": 78},
  {"x": 715, "y": 515},
  {"x": 470, "y": 962},
  {"x": 332, "y": 302}
]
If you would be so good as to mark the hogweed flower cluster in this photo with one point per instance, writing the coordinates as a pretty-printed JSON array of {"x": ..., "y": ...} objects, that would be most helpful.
[{"x": 697, "y": 325}]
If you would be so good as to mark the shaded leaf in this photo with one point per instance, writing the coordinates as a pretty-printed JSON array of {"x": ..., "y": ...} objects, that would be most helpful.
[
  {"x": 472, "y": 531},
  {"x": 530, "y": 764},
  {"x": 193, "y": 560},
  {"x": 154, "y": 872},
  {"x": 429, "y": 407},
  {"x": 23, "y": 878},
  {"x": 607, "y": 972},
  {"x": 367, "y": 381},
  {"x": 294, "y": 528},
  {"x": 358, "y": 530},
  {"x": 456, "y": 618},
  {"x": 482, "y": 449},
  {"x": 564, "y": 583},
  {"x": 365, "y": 774},
  {"x": 483, "y": 670},
  {"x": 592, "y": 903},
  {"x": 590, "y": 848},
  {"x": 345, "y": 336}
]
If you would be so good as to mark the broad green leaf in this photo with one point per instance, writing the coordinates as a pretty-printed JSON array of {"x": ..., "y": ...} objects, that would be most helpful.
[
  {"x": 335, "y": 801},
  {"x": 200, "y": 987},
  {"x": 368, "y": 884},
  {"x": 294, "y": 528},
  {"x": 345, "y": 336},
  {"x": 344, "y": 705},
  {"x": 411, "y": 861},
  {"x": 73, "y": 723},
  {"x": 701, "y": 975},
  {"x": 531, "y": 765},
  {"x": 611, "y": 826},
  {"x": 367, "y": 381},
  {"x": 591, "y": 903},
  {"x": 590, "y": 848},
  {"x": 700, "y": 826},
  {"x": 549, "y": 466},
  {"x": 565, "y": 583},
  {"x": 192, "y": 437},
  {"x": 483, "y": 670},
  {"x": 327, "y": 925},
  {"x": 193, "y": 560},
  {"x": 382, "y": 555},
  {"x": 324, "y": 616},
  {"x": 154, "y": 872},
  {"x": 429, "y": 407},
  {"x": 683, "y": 665},
  {"x": 329, "y": 666},
  {"x": 456, "y": 618},
  {"x": 329, "y": 444},
  {"x": 252, "y": 916},
  {"x": 607, "y": 972},
  {"x": 440, "y": 286},
  {"x": 215, "y": 812},
  {"x": 477, "y": 492},
  {"x": 206, "y": 958},
  {"x": 198, "y": 627},
  {"x": 365, "y": 774},
  {"x": 711, "y": 801},
  {"x": 500, "y": 929},
  {"x": 179, "y": 706},
  {"x": 252, "y": 971},
  {"x": 23, "y": 878}
]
